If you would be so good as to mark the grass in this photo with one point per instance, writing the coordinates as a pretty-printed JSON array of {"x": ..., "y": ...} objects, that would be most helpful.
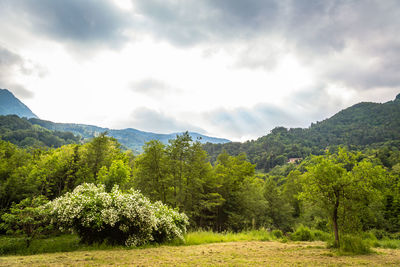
[
  {"x": 62, "y": 243},
  {"x": 245, "y": 253},
  {"x": 200, "y": 248},
  {"x": 67, "y": 243},
  {"x": 387, "y": 243},
  {"x": 206, "y": 237}
]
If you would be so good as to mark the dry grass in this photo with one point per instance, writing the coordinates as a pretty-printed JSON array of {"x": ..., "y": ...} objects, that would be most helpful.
[{"x": 253, "y": 253}]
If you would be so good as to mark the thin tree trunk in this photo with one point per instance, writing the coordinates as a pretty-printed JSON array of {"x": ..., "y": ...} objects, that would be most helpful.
[{"x": 335, "y": 223}]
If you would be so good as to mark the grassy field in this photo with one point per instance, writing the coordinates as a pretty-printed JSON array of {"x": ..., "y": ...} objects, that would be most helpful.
[{"x": 245, "y": 253}]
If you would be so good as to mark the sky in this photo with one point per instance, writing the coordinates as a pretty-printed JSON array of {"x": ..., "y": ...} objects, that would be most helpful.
[{"x": 225, "y": 68}]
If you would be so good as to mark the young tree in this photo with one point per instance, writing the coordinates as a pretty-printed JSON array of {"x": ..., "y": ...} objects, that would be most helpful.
[
  {"x": 119, "y": 174},
  {"x": 99, "y": 152},
  {"x": 338, "y": 182},
  {"x": 27, "y": 218},
  {"x": 235, "y": 175},
  {"x": 151, "y": 172}
]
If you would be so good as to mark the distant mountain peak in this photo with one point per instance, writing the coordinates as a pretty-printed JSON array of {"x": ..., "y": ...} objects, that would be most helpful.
[{"x": 10, "y": 105}]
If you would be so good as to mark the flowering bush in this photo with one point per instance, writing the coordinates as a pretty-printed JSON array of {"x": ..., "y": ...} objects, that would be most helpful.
[
  {"x": 170, "y": 224},
  {"x": 116, "y": 217}
]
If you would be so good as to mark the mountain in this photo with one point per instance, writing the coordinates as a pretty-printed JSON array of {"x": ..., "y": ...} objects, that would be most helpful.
[
  {"x": 21, "y": 132},
  {"x": 360, "y": 126},
  {"x": 130, "y": 138},
  {"x": 9, "y": 104}
]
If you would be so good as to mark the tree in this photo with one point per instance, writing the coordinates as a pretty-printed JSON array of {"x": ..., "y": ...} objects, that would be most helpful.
[
  {"x": 178, "y": 152},
  {"x": 278, "y": 210},
  {"x": 235, "y": 175},
  {"x": 27, "y": 218},
  {"x": 119, "y": 173},
  {"x": 338, "y": 183},
  {"x": 151, "y": 172},
  {"x": 99, "y": 152}
]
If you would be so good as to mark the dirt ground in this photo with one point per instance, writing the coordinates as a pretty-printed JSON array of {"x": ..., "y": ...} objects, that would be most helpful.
[{"x": 220, "y": 254}]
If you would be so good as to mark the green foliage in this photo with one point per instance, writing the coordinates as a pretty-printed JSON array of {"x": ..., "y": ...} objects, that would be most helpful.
[
  {"x": 226, "y": 196},
  {"x": 117, "y": 218},
  {"x": 302, "y": 233},
  {"x": 277, "y": 233},
  {"x": 387, "y": 243},
  {"x": 152, "y": 175},
  {"x": 21, "y": 132},
  {"x": 351, "y": 244},
  {"x": 170, "y": 224},
  {"x": 15, "y": 245},
  {"x": 118, "y": 174},
  {"x": 278, "y": 209},
  {"x": 344, "y": 188},
  {"x": 360, "y": 126},
  {"x": 27, "y": 218},
  {"x": 205, "y": 237}
]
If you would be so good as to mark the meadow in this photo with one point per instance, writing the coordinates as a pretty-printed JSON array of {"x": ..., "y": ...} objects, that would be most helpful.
[
  {"x": 243, "y": 253},
  {"x": 251, "y": 248}
]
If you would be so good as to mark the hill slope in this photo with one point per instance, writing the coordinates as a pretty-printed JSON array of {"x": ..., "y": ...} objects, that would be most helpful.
[
  {"x": 130, "y": 138},
  {"x": 364, "y": 124},
  {"x": 9, "y": 105},
  {"x": 21, "y": 132}
]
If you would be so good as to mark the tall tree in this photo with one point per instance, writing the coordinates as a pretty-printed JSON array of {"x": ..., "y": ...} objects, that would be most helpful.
[
  {"x": 151, "y": 172},
  {"x": 338, "y": 183}
]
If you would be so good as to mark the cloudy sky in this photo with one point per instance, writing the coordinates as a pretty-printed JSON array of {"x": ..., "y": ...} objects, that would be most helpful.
[{"x": 226, "y": 68}]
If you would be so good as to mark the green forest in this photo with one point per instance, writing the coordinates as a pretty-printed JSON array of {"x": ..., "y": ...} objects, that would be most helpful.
[
  {"x": 360, "y": 127},
  {"x": 339, "y": 188}
]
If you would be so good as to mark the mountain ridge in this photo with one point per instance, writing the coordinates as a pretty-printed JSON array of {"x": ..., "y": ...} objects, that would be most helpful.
[
  {"x": 9, "y": 105},
  {"x": 131, "y": 138},
  {"x": 362, "y": 125}
]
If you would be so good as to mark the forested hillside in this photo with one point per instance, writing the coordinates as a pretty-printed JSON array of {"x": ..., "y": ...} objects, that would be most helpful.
[
  {"x": 25, "y": 134},
  {"x": 360, "y": 126},
  {"x": 130, "y": 138},
  {"x": 107, "y": 194}
]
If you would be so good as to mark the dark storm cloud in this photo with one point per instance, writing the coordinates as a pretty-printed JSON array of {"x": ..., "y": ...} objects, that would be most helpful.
[
  {"x": 10, "y": 64},
  {"x": 192, "y": 22},
  {"x": 325, "y": 30},
  {"x": 312, "y": 29},
  {"x": 76, "y": 21}
]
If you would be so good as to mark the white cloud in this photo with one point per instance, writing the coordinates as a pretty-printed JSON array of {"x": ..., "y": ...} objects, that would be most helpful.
[{"x": 229, "y": 68}]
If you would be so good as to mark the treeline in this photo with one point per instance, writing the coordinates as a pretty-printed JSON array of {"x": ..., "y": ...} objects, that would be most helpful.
[
  {"x": 360, "y": 127},
  {"x": 226, "y": 195},
  {"x": 23, "y": 133}
]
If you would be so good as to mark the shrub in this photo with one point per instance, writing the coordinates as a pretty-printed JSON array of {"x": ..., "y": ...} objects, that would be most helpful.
[
  {"x": 395, "y": 236},
  {"x": 368, "y": 235},
  {"x": 116, "y": 218},
  {"x": 379, "y": 234},
  {"x": 354, "y": 245},
  {"x": 170, "y": 224},
  {"x": 302, "y": 233},
  {"x": 388, "y": 243},
  {"x": 321, "y": 235},
  {"x": 26, "y": 218},
  {"x": 277, "y": 233}
]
